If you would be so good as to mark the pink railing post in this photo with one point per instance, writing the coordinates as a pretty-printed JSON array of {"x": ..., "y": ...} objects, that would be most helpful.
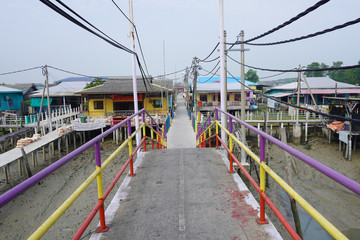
[
  {"x": 262, "y": 219},
  {"x": 103, "y": 227}
]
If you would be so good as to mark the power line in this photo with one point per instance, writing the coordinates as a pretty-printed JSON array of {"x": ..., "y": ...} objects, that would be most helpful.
[
  {"x": 331, "y": 116},
  {"x": 136, "y": 33},
  {"x": 210, "y": 72},
  {"x": 73, "y": 20},
  {"x": 212, "y": 75},
  {"x": 298, "y": 70},
  {"x": 212, "y": 60},
  {"x": 73, "y": 73},
  {"x": 203, "y": 60},
  {"x": 347, "y": 24},
  {"x": 297, "y": 17},
  {"x": 159, "y": 76},
  {"x": 18, "y": 71}
]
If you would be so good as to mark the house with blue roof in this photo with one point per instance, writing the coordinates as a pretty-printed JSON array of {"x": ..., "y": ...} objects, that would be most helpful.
[
  {"x": 10, "y": 99},
  {"x": 208, "y": 93}
]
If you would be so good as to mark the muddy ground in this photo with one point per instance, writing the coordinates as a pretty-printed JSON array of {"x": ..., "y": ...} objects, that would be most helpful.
[
  {"x": 22, "y": 216},
  {"x": 336, "y": 203}
]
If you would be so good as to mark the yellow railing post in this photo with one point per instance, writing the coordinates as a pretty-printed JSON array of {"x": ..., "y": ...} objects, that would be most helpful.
[
  {"x": 210, "y": 137},
  {"x": 262, "y": 219}
]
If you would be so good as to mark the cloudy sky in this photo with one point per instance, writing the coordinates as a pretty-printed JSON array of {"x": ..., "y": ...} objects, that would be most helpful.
[{"x": 34, "y": 35}]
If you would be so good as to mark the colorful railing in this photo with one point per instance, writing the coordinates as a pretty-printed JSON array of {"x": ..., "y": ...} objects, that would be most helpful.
[
  {"x": 157, "y": 137},
  {"x": 204, "y": 135}
]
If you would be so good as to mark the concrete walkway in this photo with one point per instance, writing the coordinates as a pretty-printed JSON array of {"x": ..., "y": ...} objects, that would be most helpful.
[
  {"x": 184, "y": 193},
  {"x": 181, "y": 133}
]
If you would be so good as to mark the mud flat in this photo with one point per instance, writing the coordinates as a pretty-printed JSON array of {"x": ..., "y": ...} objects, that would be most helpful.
[
  {"x": 336, "y": 203},
  {"x": 22, "y": 216}
]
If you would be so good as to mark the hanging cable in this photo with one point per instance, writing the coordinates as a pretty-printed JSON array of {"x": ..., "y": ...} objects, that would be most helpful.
[
  {"x": 72, "y": 19},
  {"x": 298, "y": 70},
  {"x": 136, "y": 33},
  {"x": 211, "y": 76},
  {"x": 73, "y": 73},
  {"x": 203, "y": 60},
  {"x": 211, "y": 72},
  {"x": 159, "y": 76},
  {"x": 347, "y": 24},
  {"x": 331, "y": 116},
  {"x": 19, "y": 71},
  {"x": 297, "y": 17}
]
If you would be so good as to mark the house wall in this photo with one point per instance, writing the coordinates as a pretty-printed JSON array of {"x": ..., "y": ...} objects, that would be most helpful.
[
  {"x": 107, "y": 106},
  {"x": 249, "y": 95},
  {"x": 151, "y": 107},
  {"x": 15, "y": 98}
]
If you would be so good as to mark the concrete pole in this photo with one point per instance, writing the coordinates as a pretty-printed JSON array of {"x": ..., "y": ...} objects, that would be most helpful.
[
  {"x": 195, "y": 87},
  {"x": 298, "y": 95},
  {"x": 48, "y": 97},
  {"x": 223, "y": 92},
  {"x": 133, "y": 60},
  {"x": 243, "y": 97}
]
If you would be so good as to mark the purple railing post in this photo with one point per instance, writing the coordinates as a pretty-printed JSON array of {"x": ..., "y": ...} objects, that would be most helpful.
[
  {"x": 231, "y": 167},
  {"x": 216, "y": 114},
  {"x": 262, "y": 219},
  {"x": 103, "y": 227},
  {"x": 158, "y": 138}
]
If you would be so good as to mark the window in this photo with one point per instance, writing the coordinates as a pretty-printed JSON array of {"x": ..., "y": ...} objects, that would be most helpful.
[
  {"x": 237, "y": 97},
  {"x": 214, "y": 97},
  {"x": 228, "y": 97},
  {"x": 11, "y": 103},
  {"x": 203, "y": 97},
  {"x": 98, "y": 105},
  {"x": 157, "y": 103}
]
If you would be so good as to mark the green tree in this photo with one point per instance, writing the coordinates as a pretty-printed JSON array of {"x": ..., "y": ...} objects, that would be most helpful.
[
  {"x": 95, "y": 82},
  {"x": 252, "y": 76},
  {"x": 316, "y": 65}
]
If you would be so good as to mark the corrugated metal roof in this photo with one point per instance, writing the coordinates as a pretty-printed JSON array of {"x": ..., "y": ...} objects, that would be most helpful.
[
  {"x": 229, "y": 80},
  {"x": 281, "y": 94},
  {"x": 329, "y": 91},
  {"x": 316, "y": 83},
  {"x": 125, "y": 85},
  {"x": 4, "y": 89},
  {"x": 215, "y": 87},
  {"x": 63, "y": 89}
]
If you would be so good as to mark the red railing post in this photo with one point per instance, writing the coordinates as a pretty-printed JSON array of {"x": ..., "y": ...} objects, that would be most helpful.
[
  {"x": 103, "y": 227},
  {"x": 262, "y": 219}
]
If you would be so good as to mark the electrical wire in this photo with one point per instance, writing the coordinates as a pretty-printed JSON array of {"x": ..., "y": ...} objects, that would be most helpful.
[
  {"x": 19, "y": 71},
  {"x": 296, "y": 69},
  {"x": 211, "y": 72},
  {"x": 136, "y": 33},
  {"x": 297, "y": 17},
  {"x": 211, "y": 76},
  {"x": 73, "y": 73},
  {"x": 331, "y": 116},
  {"x": 338, "y": 27},
  {"x": 72, "y": 19},
  {"x": 159, "y": 76},
  {"x": 203, "y": 60}
]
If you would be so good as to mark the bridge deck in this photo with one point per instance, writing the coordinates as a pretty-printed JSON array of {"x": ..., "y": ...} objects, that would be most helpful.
[{"x": 184, "y": 193}]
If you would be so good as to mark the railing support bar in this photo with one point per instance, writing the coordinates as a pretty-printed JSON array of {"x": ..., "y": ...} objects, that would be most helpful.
[{"x": 262, "y": 219}]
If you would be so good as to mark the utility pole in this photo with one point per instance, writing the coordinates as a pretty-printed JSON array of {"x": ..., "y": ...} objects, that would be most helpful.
[
  {"x": 162, "y": 82},
  {"x": 186, "y": 83},
  {"x": 223, "y": 84},
  {"x": 133, "y": 61},
  {"x": 45, "y": 72},
  {"x": 298, "y": 95},
  {"x": 243, "y": 97},
  {"x": 195, "y": 85}
]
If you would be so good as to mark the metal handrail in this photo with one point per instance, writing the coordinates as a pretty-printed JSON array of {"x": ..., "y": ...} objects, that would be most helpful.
[{"x": 201, "y": 142}]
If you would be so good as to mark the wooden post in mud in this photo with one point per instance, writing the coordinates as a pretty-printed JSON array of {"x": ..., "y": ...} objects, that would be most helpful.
[
  {"x": 26, "y": 163},
  {"x": 288, "y": 168}
]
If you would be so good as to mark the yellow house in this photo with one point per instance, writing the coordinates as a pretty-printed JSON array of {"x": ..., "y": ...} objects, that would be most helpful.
[{"x": 115, "y": 98}]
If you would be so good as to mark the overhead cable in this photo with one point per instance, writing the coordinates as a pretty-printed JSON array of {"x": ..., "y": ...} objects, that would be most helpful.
[
  {"x": 297, "y": 17},
  {"x": 298, "y": 70},
  {"x": 347, "y": 24},
  {"x": 72, "y": 19},
  {"x": 202, "y": 60},
  {"x": 136, "y": 33},
  {"x": 74, "y": 73},
  {"x": 18, "y": 71},
  {"x": 159, "y": 76},
  {"x": 331, "y": 116}
]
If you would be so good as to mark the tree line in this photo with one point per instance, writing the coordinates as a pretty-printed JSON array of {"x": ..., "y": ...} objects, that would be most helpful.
[{"x": 351, "y": 76}]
